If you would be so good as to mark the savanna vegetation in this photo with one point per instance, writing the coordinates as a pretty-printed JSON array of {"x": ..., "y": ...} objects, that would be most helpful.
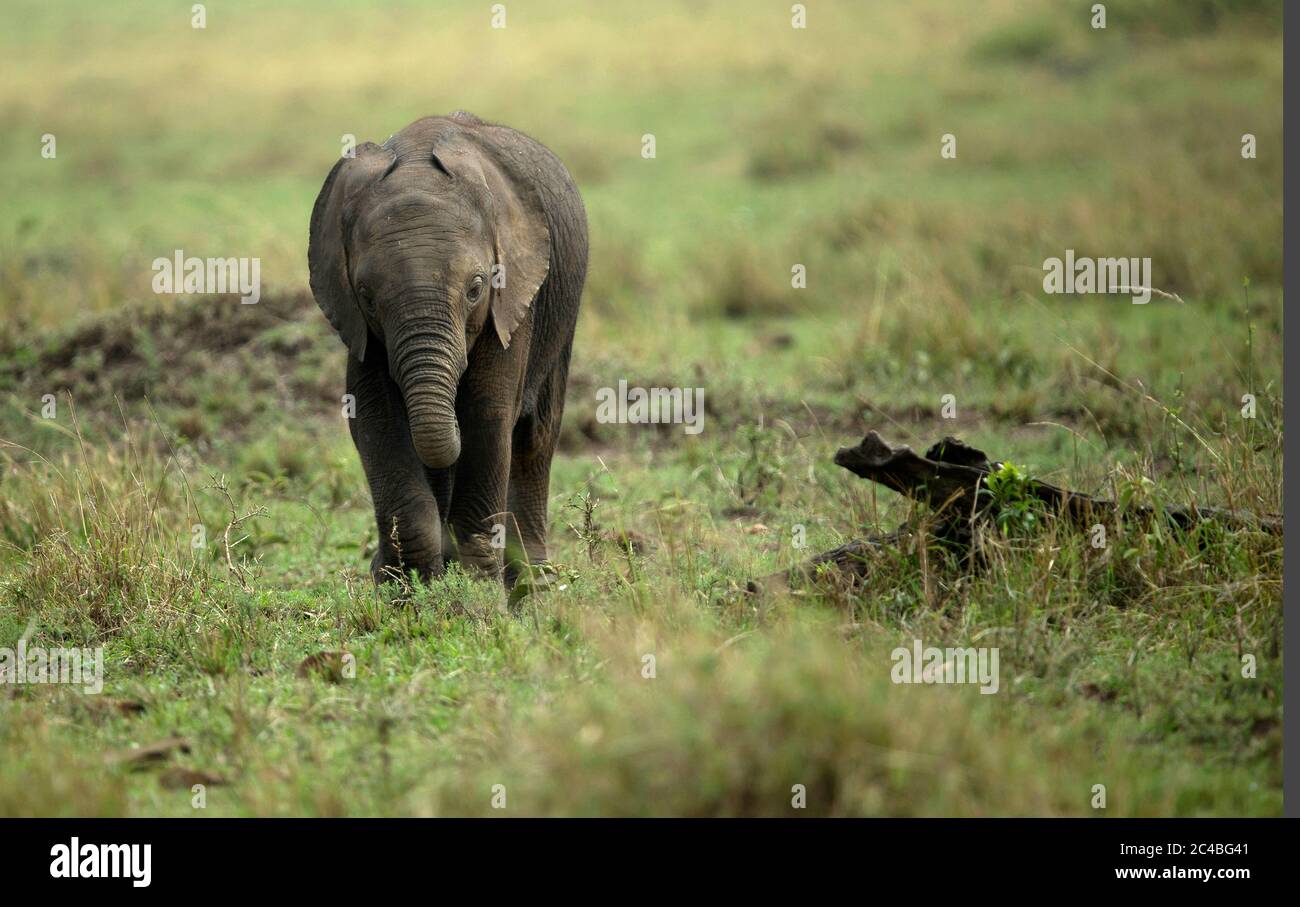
[{"x": 192, "y": 502}]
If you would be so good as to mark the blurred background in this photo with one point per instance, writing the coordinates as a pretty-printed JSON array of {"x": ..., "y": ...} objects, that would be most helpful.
[{"x": 775, "y": 145}]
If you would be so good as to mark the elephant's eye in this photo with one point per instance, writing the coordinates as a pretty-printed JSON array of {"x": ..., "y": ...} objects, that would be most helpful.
[
  {"x": 367, "y": 297},
  {"x": 475, "y": 291}
]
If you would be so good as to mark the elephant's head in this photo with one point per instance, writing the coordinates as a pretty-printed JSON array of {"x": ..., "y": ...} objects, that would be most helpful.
[{"x": 420, "y": 243}]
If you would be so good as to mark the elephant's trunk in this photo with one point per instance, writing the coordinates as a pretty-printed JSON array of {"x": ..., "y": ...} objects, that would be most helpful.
[{"x": 427, "y": 358}]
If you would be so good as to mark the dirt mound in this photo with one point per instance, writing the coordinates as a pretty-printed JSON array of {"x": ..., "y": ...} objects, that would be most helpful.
[
  {"x": 209, "y": 362},
  {"x": 213, "y": 368}
]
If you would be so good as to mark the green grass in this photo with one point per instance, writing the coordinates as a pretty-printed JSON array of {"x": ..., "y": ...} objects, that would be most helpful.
[{"x": 1119, "y": 667}]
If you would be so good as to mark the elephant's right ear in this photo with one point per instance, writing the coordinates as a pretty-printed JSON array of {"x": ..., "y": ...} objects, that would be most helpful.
[{"x": 327, "y": 257}]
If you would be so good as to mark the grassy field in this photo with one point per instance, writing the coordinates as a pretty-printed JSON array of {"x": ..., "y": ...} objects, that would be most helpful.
[{"x": 286, "y": 685}]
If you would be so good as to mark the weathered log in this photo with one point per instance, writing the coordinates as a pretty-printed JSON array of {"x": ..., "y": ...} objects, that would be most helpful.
[
  {"x": 951, "y": 474},
  {"x": 948, "y": 480}
]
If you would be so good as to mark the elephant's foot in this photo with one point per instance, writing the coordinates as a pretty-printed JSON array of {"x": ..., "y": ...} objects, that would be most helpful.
[
  {"x": 537, "y": 571},
  {"x": 532, "y": 579},
  {"x": 481, "y": 566},
  {"x": 476, "y": 554},
  {"x": 385, "y": 567}
]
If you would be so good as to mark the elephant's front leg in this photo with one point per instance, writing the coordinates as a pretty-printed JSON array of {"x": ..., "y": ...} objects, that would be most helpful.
[
  {"x": 478, "y": 503},
  {"x": 406, "y": 512}
]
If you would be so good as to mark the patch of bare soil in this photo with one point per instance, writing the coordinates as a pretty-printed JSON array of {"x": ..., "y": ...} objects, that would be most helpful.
[
  {"x": 213, "y": 368},
  {"x": 210, "y": 363}
]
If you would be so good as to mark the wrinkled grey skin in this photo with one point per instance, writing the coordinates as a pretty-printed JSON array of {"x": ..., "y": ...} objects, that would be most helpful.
[{"x": 458, "y": 380}]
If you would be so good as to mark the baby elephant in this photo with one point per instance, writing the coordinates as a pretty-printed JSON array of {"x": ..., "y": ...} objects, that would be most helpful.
[{"x": 451, "y": 260}]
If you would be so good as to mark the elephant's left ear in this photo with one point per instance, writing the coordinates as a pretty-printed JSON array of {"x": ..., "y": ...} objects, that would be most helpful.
[{"x": 523, "y": 252}]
